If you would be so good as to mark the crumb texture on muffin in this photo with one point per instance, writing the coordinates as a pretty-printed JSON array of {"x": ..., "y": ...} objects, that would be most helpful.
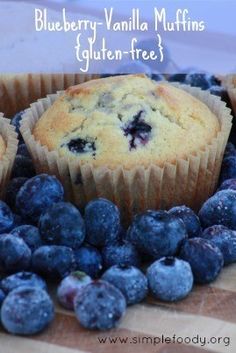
[{"x": 126, "y": 121}]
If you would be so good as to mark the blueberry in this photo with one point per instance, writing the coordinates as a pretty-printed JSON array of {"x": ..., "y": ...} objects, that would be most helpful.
[
  {"x": 23, "y": 150},
  {"x": 205, "y": 259},
  {"x": 121, "y": 253},
  {"x": 15, "y": 255},
  {"x": 18, "y": 221},
  {"x": 220, "y": 92},
  {"x": 219, "y": 209},
  {"x": 230, "y": 150},
  {"x": 2, "y": 297},
  {"x": 190, "y": 219},
  {"x": 170, "y": 279},
  {"x": 18, "y": 279},
  {"x": 200, "y": 80},
  {"x": 37, "y": 194},
  {"x": 70, "y": 286},
  {"x": 135, "y": 67},
  {"x": 6, "y": 218},
  {"x": 157, "y": 76},
  {"x": 33, "y": 312},
  {"x": 137, "y": 131},
  {"x": 228, "y": 169},
  {"x": 102, "y": 222},
  {"x": 62, "y": 224},
  {"x": 79, "y": 145},
  {"x": 15, "y": 121},
  {"x": 89, "y": 260},
  {"x": 129, "y": 280},
  {"x": 13, "y": 187},
  {"x": 99, "y": 306},
  {"x": 177, "y": 78},
  {"x": 157, "y": 233},
  {"x": 228, "y": 184},
  {"x": 30, "y": 235},
  {"x": 23, "y": 167},
  {"x": 54, "y": 261},
  {"x": 224, "y": 239}
]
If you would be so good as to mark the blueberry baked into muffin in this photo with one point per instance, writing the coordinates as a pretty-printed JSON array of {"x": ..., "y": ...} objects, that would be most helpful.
[
  {"x": 139, "y": 143},
  {"x": 126, "y": 121}
]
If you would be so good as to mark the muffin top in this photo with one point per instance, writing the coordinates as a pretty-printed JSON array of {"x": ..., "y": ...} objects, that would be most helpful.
[
  {"x": 2, "y": 147},
  {"x": 126, "y": 121}
]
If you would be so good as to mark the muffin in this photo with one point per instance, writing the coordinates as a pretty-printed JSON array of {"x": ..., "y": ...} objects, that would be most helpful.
[
  {"x": 139, "y": 143},
  {"x": 126, "y": 121},
  {"x": 8, "y": 149}
]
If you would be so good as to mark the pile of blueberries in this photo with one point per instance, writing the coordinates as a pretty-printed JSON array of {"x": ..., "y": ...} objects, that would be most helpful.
[{"x": 98, "y": 266}]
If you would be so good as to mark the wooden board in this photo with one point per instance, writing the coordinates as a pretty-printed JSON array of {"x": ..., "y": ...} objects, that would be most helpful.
[{"x": 209, "y": 311}]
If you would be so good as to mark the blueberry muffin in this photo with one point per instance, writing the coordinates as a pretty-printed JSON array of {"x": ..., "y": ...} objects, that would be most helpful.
[{"x": 126, "y": 121}]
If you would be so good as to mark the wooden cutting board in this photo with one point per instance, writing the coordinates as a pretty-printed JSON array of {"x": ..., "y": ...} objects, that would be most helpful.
[{"x": 209, "y": 311}]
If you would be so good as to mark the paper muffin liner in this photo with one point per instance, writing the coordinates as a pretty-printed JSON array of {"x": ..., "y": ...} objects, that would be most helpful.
[
  {"x": 18, "y": 91},
  {"x": 229, "y": 82},
  {"x": 187, "y": 181},
  {"x": 10, "y": 138}
]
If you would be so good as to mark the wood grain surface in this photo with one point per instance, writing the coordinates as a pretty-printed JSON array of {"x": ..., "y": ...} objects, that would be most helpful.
[{"x": 209, "y": 311}]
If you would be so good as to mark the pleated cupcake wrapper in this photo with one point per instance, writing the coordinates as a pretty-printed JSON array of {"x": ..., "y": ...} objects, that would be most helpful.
[
  {"x": 187, "y": 181},
  {"x": 229, "y": 82},
  {"x": 17, "y": 92},
  {"x": 10, "y": 138}
]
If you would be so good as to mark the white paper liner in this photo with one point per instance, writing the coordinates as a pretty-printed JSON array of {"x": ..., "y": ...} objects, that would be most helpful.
[
  {"x": 9, "y": 136},
  {"x": 18, "y": 91},
  {"x": 186, "y": 182},
  {"x": 229, "y": 82}
]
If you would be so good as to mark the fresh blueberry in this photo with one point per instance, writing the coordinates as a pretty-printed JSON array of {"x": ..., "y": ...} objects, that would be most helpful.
[
  {"x": 121, "y": 253},
  {"x": 62, "y": 224},
  {"x": 135, "y": 67},
  {"x": 224, "y": 239},
  {"x": 157, "y": 76},
  {"x": 205, "y": 259},
  {"x": 200, "y": 80},
  {"x": 22, "y": 279},
  {"x": 137, "y": 131},
  {"x": 37, "y": 194},
  {"x": 15, "y": 121},
  {"x": 102, "y": 221},
  {"x": 170, "y": 279},
  {"x": 228, "y": 169},
  {"x": 27, "y": 310},
  {"x": 219, "y": 209},
  {"x": 18, "y": 221},
  {"x": 13, "y": 187},
  {"x": 2, "y": 297},
  {"x": 70, "y": 286},
  {"x": 30, "y": 235},
  {"x": 190, "y": 219},
  {"x": 15, "y": 255},
  {"x": 177, "y": 78},
  {"x": 228, "y": 184},
  {"x": 99, "y": 306},
  {"x": 89, "y": 260},
  {"x": 151, "y": 44},
  {"x": 23, "y": 150},
  {"x": 129, "y": 280},
  {"x": 230, "y": 150},
  {"x": 6, "y": 218},
  {"x": 54, "y": 261},
  {"x": 157, "y": 233},
  {"x": 23, "y": 167}
]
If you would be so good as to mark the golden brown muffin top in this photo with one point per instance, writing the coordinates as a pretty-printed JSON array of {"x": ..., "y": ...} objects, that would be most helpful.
[{"x": 126, "y": 121}]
